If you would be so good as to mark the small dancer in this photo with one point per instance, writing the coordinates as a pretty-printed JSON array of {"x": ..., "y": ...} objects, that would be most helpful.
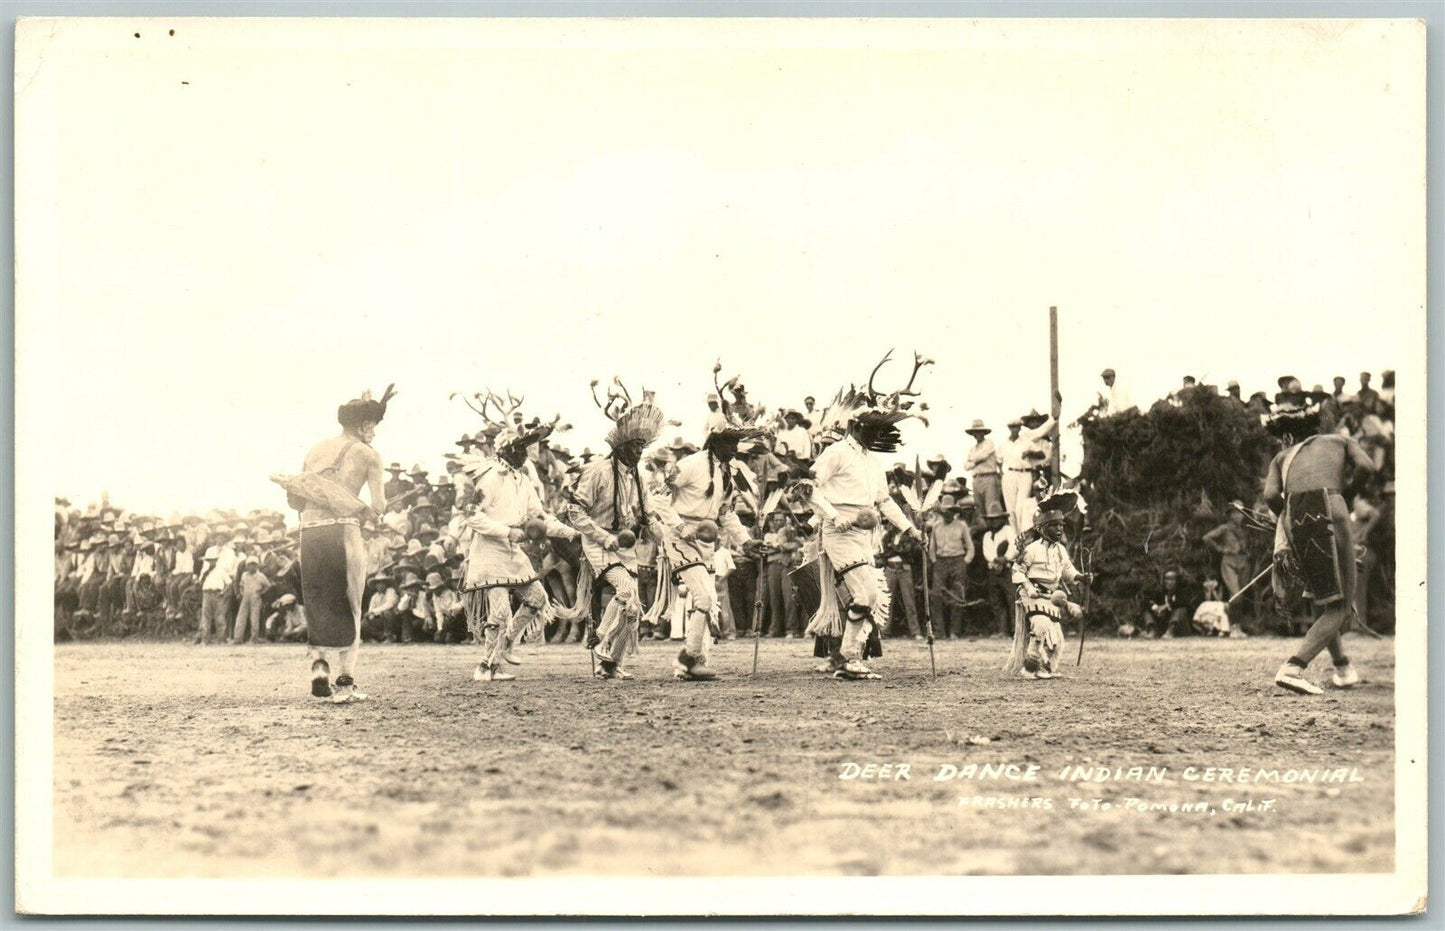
[{"x": 1041, "y": 574}]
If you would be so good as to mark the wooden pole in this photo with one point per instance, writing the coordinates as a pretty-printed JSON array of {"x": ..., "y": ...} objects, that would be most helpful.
[{"x": 1054, "y": 406}]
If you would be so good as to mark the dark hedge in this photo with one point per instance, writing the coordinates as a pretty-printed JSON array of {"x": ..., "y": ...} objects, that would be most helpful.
[{"x": 1156, "y": 482}]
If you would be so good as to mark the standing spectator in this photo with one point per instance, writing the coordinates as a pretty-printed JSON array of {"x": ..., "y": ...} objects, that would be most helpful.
[
  {"x": 1000, "y": 546},
  {"x": 1368, "y": 397},
  {"x": 779, "y": 600},
  {"x": 1231, "y": 391},
  {"x": 248, "y": 617},
  {"x": 810, "y": 414},
  {"x": 793, "y": 441},
  {"x": 716, "y": 419},
  {"x": 1387, "y": 393},
  {"x": 395, "y": 486},
  {"x": 1167, "y": 608},
  {"x": 723, "y": 565},
  {"x": 952, "y": 550},
  {"x": 1228, "y": 541},
  {"x": 1116, "y": 399},
  {"x": 900, "y": 551},
  {"x": 1363, "y": 518},
  {"x": 1019, "y": 454},
  {"x": 984, "y": 468},
  {"x": 215, "y": 598},
  {"x": 1339, "y": 392}
]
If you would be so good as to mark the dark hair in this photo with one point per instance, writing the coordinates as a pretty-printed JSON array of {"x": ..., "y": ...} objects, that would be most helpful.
[
  {"x": 1294, "y": 425},
  {"x": 353, "y": 414}
]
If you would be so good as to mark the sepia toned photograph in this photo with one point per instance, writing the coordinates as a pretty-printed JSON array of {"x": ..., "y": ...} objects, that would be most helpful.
[{"x": 720, "y": 466}]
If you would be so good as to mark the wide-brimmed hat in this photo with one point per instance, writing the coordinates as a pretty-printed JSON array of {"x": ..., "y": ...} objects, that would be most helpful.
[
  {"x": 395, "y": 467},
  {"x": 422, "y": 502},
  {"x": 410, "y": 579},
  {"x": 1015, "y": 422},
  {"x": 947, "y": 503},
  {"x": 1107, "y": 373},
  {"x": 213, "y": 553},
  {"x": 978, "y": 427},
  {"x": 443, "y": 480},
  {"x": 434, "y": 581},
  {"x": 424, "y": 530},
  {"x": 414, "y": 547},
  {"x": 1033, "y": 418},
  {"x": 285, "y": 601},
  {"x": 417, "y": 470},
  {"x": 966, "y": 502}
]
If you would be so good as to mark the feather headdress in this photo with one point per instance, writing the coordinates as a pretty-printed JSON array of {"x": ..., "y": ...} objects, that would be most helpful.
[
  {"x": 877, "y": 413},
  {"x": 630, "y": 422},
  {"x": 363, "y": 409}
]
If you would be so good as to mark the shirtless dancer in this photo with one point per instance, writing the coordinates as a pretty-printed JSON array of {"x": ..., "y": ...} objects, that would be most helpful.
[
  {"x": 1305, "y": 489},
  {"x": 333, "y": 557}
]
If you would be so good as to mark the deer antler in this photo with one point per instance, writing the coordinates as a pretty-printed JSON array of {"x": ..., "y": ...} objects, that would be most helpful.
[
  {"x": 625, "y": 393},
  {"x": 516, "y": 402},
  {"x": 873, "y": 392},
  {"x": 918, "y": 363},
  {"x": 595, "y": 399},
  {"x": 466, "y": 401}
]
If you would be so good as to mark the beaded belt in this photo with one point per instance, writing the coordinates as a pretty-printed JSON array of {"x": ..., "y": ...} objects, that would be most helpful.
[{"x": 329, "y": 521}]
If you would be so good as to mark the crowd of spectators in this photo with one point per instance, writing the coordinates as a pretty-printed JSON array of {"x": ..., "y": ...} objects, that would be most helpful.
[{"x": 224, "y": 576}]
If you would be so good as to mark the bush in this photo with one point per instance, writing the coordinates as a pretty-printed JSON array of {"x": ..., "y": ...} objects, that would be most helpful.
[{"x": 1156, "y": 482}]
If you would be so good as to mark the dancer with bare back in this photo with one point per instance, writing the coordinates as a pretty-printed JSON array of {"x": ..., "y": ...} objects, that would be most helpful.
[
  {"x": 333, "y": 557},
  {"x": 1306, "y": 486}
]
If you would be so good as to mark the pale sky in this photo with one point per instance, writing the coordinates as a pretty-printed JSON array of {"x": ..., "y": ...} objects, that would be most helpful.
[{"x": 229, "y": 232}]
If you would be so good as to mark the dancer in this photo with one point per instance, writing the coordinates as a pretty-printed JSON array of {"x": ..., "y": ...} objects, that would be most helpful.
[
  {"x": 608, "y": 504},
  {"x": 850, "y": 489},
  {"x": 1305, "y": 487},
  {"x": 1041, "y": 574},
  {"x": 699, "y": 513},
  {"x": 333, "y": 556},
  {"x": 507, "y": 507}
]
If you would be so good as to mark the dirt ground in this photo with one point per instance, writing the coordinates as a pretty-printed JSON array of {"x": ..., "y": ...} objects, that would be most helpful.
[{"x": 176, "y": 760}]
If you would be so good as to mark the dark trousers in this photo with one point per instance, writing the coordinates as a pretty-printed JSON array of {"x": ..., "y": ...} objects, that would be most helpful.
[
  {"x": 780, "y": 604},
  {"x": 949, "y": 575},
  {"x": 1001, "y": 600},
  {"x": 903, "y": 596}
]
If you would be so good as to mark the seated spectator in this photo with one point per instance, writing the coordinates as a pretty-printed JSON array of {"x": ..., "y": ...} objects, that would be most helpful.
[
  {"x": 287, "y": 621},
  {"x": 1167, "y": 608},
  {"x": 1211, "y": 618}
]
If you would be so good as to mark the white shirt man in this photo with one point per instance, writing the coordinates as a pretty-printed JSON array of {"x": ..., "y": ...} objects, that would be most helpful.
[
  {"x": 1114, "y": 398},
  {"x": 1017, "y": 472},
  {"x": 794, "y": 441}
]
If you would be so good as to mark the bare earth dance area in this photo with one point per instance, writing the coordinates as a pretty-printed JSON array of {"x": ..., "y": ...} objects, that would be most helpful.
[{"x": 173, "y": 760}]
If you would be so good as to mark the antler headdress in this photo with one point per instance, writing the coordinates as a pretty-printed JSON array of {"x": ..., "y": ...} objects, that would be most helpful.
[{"x": 879, "y": 414}]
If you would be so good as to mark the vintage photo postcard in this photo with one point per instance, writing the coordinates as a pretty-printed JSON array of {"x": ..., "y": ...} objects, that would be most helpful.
[{"x": 720, "y": 467}]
